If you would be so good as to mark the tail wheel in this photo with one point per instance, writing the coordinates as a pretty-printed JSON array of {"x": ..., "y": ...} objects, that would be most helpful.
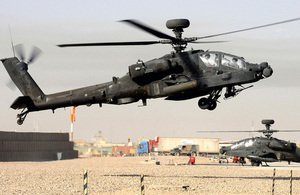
[
  {"x": 20, "y": 121},
  {"x": 21, "y": 117}
]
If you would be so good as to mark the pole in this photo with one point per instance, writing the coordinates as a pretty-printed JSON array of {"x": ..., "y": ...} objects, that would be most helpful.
[
  {"x": 71, "y": 134},
  {"x": 72, "y": 117},
  {"x": 142, "y": 185},
  {"x": 85, "y": 190},
  {"x": 273, "y": 182},
  {"x": 291, "y": 185}
]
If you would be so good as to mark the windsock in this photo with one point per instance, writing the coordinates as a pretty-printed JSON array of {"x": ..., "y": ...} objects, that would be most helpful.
[{"x": 72, "y": 113}]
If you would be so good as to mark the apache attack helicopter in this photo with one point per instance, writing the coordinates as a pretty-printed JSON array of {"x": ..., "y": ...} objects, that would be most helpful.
[
  {"x": 263, "y": 149},
  {"x": 180, "y": 75}
]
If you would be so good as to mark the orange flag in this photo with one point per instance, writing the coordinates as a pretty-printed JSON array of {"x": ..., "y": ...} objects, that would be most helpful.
[{"x": 72, "y": 113}]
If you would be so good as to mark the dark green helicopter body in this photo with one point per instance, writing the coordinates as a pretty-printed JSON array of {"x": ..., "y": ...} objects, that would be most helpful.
[
  {"x": 264, "y": 149},
  {"x": 176, "y": 76}
]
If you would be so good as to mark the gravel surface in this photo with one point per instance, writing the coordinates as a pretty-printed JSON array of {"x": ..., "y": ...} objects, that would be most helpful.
[{"x": 121, "y": 175}]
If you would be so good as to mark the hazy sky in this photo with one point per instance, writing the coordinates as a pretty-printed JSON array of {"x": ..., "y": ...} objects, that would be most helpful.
[{"x": 46, "y": 24}]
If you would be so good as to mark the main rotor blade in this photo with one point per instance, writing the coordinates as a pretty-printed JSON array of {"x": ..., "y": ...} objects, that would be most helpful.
[
  {"x": 149, "y": 29},
  {"x": 249, "y": 131},
  {"x": 209, "y": 42},
  {"x": 109, "y": 44},
  {"x": 288, "y": 131},
  {"x": 225, "y": 131},
  {"x": 246, "y": 29},
  {"x": 11, "y": 85}
]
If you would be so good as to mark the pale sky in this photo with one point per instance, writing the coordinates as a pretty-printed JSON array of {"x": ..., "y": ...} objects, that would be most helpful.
[{"x": 46, "y": 24}]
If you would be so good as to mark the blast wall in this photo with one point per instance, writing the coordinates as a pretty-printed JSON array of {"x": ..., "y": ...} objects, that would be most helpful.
[{"x": 34, "y": 146}]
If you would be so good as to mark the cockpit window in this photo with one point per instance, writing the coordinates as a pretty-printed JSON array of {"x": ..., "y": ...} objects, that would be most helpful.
[
  {"x": 243, "y": 143},
  {"x": 238, "y": 144},
  {"x": 233, "y": 62},
  {"x": 249, "y": 142},
  {"x": 210, "y": 59}
]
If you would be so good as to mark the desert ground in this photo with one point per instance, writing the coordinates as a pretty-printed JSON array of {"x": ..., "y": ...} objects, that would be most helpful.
[{"x": 121, "y": 175}]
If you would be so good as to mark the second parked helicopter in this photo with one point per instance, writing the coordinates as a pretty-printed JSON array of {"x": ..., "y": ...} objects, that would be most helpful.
[{"x": 263, "y": 149}]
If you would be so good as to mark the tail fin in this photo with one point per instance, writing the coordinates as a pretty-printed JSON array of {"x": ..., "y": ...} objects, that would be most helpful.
[{"x": 18, "y": 73}]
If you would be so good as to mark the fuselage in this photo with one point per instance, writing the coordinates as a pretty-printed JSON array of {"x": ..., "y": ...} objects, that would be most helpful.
[
  {"x": 176, "y": 76},
  {"x": 264, "y": 149}
]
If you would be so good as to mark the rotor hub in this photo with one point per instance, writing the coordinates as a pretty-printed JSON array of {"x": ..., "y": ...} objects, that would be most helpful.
[
  {"x": 177, "y": 26},
  {"x": 268, "y": 132}
]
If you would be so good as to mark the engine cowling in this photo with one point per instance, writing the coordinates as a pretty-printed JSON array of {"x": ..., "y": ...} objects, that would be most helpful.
[
  {"x": 279, "y": 145},
  {"x": 136, "y": 70},
  {"x": 157, "y": 66}
]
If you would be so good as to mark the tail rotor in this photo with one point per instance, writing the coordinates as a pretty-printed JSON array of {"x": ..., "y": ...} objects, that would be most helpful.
[
  {"x": 23, "y": 64},
  {"x": 20, "y": 52}
]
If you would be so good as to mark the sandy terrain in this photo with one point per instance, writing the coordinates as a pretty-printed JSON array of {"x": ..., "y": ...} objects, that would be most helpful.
[{"x": 121, "y": 175}]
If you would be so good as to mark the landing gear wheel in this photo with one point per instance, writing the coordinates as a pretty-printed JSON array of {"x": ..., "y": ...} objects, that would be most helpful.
[
  {"x": 203, "y": 103},
  {"x": 255, "y": 163},
  {"x": 20, "y": 121},
  {"x": 212, "y": 105}
]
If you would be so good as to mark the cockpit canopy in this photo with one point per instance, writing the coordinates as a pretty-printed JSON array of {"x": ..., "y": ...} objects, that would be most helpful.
[
  {"x": 212, "y": 59},
  {"x": 243, "y": 143}
]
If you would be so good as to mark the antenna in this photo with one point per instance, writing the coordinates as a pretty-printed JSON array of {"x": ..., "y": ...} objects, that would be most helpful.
[{"x": 12, "y": 44}]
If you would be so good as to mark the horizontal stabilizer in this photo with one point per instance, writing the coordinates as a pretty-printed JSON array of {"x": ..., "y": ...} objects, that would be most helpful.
[{"x": 24, "y": 102}]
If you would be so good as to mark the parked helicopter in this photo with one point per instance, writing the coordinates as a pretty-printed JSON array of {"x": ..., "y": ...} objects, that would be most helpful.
[
  {"x": 176, "y": 76},
  {"x": 263, "y": 149}
]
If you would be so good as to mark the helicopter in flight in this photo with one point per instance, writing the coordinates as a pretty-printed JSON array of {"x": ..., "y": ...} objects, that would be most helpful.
[
  {"x": 263, "y": 149},
  {"x": 180, "y": 75}
]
